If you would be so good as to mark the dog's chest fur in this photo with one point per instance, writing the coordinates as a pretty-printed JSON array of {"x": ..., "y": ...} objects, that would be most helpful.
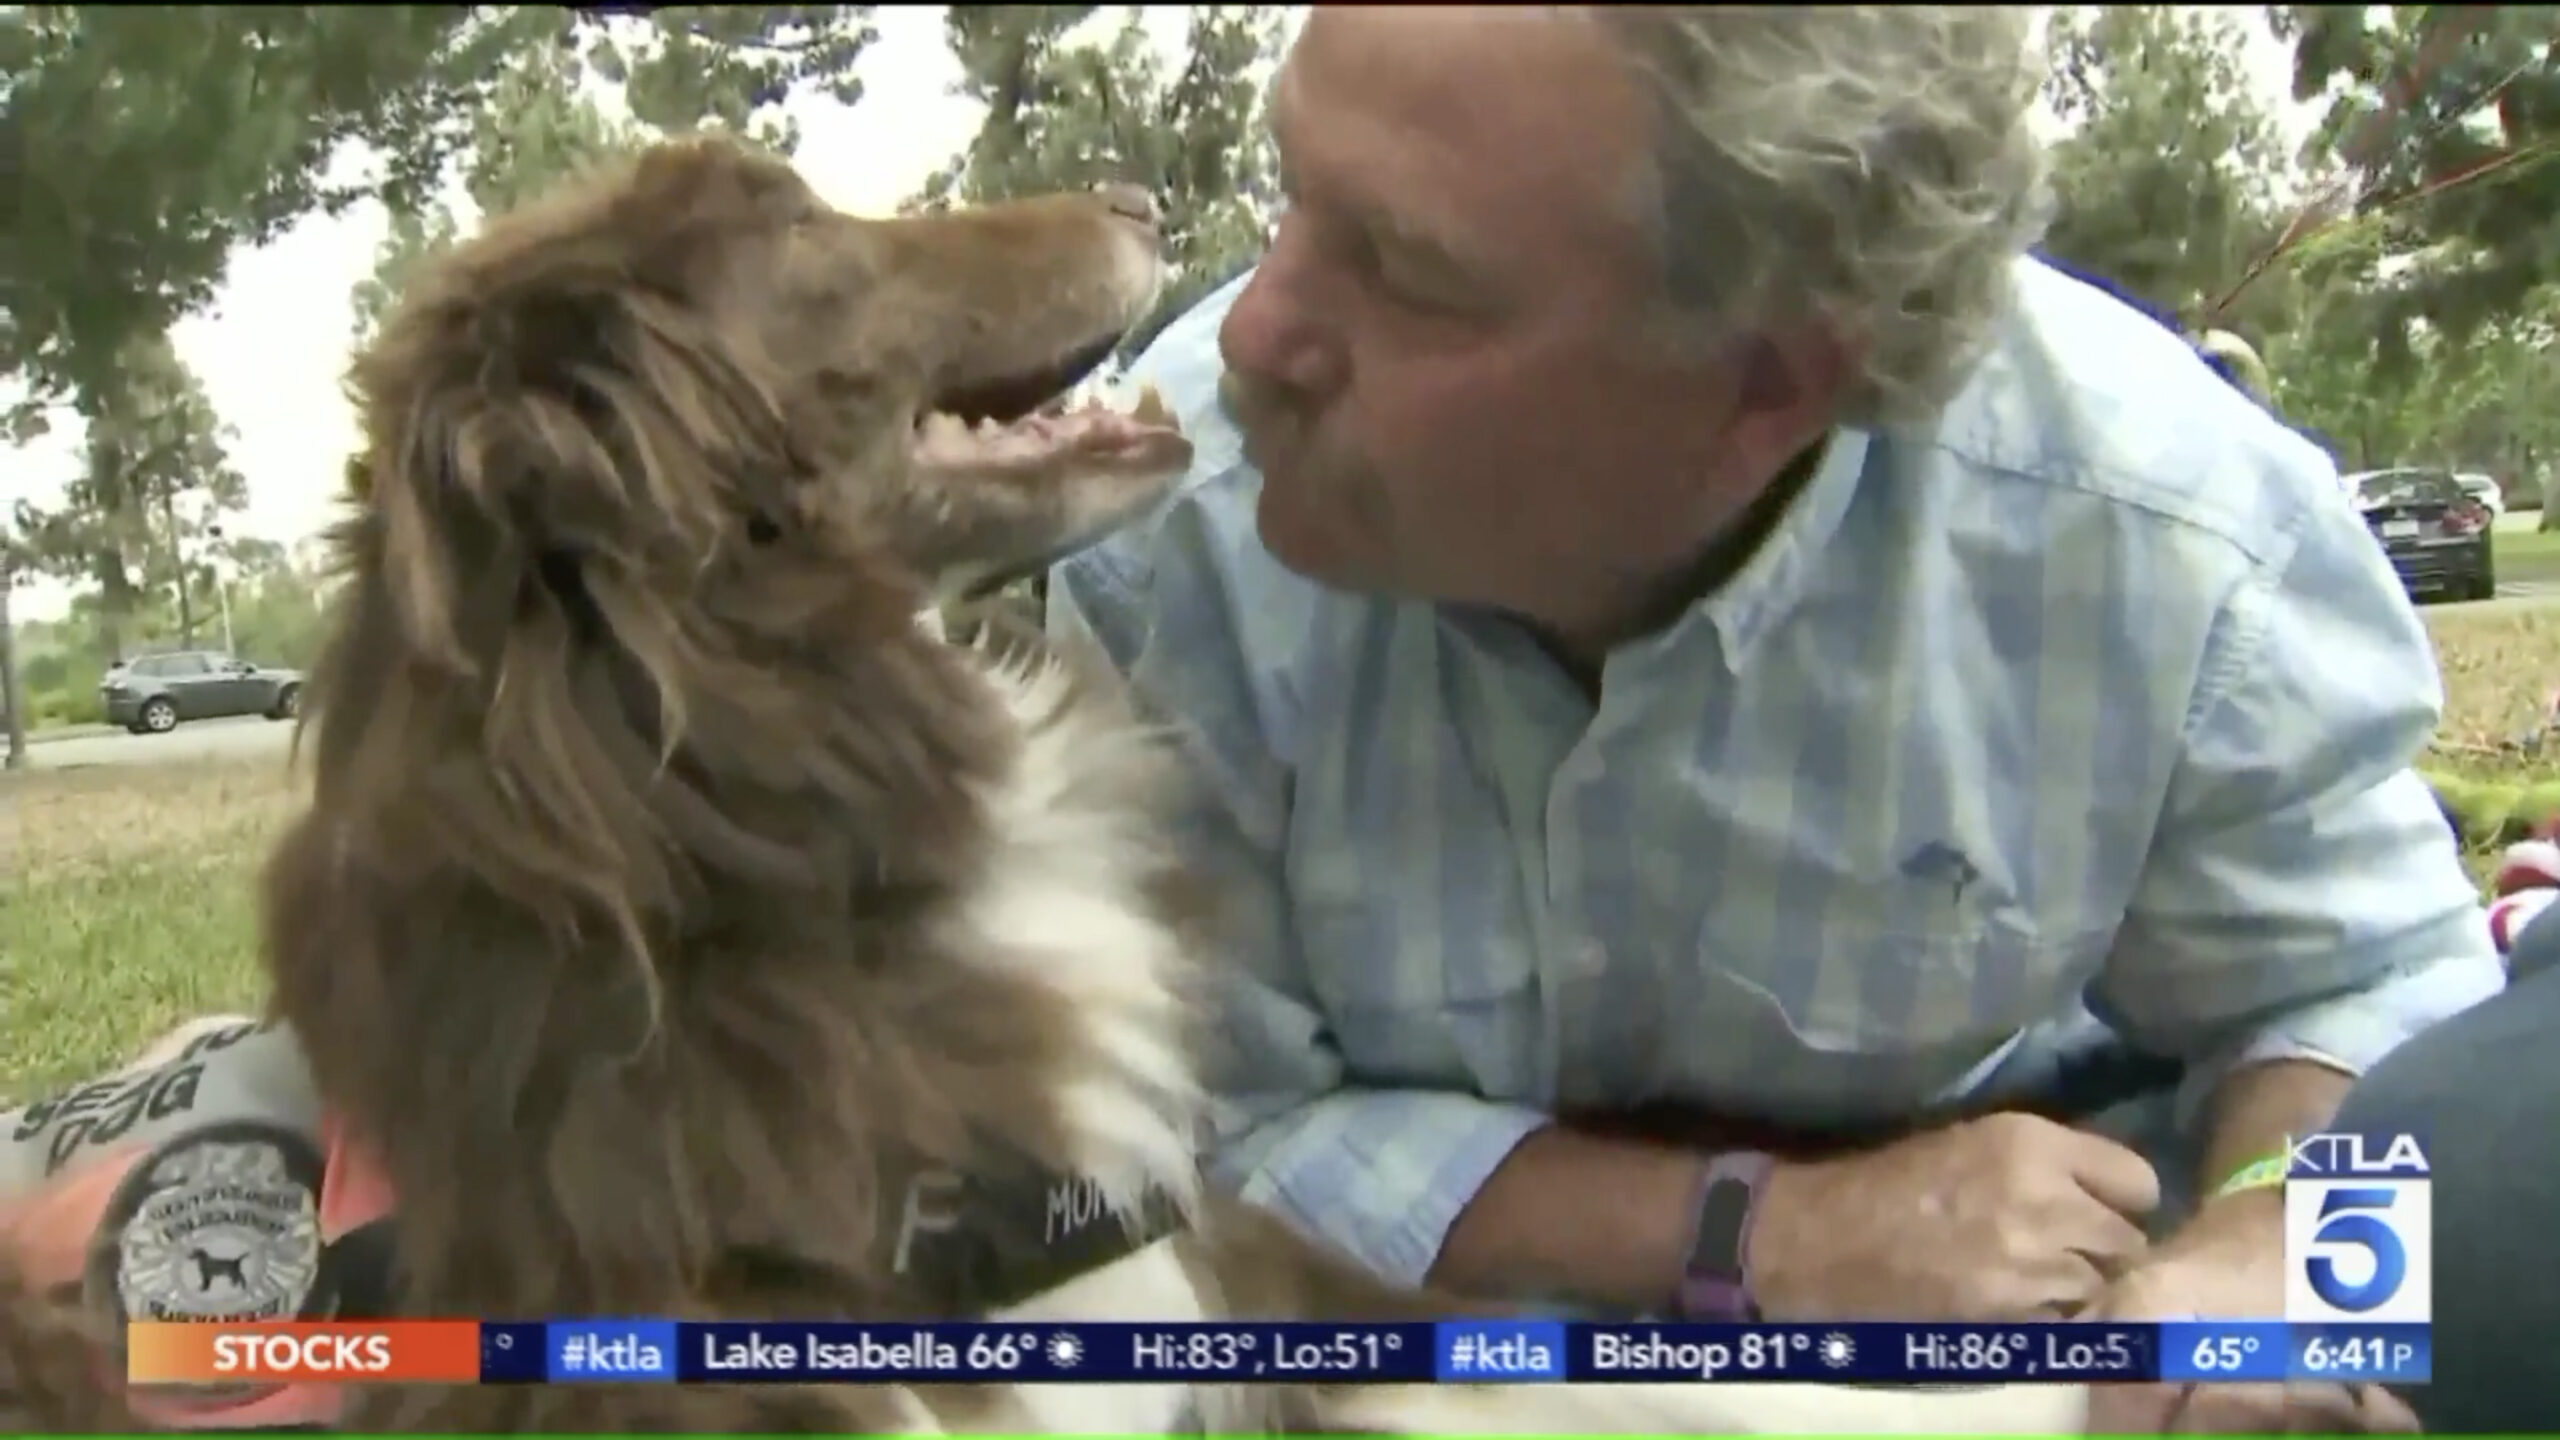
[{"x": 1071, "y": 901}]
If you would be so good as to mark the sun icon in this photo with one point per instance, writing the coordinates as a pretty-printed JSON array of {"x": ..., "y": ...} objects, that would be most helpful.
[
  {"x": 1838, "y": 1350},
  {"x": 1064, "y": 1351}
]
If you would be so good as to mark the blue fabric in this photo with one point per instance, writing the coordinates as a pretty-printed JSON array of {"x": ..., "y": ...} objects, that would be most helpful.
[{"x": 2082, "y": 714}]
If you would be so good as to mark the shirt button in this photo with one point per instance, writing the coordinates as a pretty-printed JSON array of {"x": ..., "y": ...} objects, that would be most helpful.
[{"x": 1590, "y": 959}]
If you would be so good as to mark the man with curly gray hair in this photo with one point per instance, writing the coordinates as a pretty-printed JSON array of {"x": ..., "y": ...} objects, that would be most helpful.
[{"x": 1745, "y": 714}]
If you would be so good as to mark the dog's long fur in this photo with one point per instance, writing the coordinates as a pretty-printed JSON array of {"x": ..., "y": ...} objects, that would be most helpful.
[{"x": 665, "y": 884}]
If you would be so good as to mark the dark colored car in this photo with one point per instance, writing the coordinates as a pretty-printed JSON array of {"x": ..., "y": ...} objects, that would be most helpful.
[
  {"x": 2437, "y": 534},
  {"x": 150, "y": 694}
]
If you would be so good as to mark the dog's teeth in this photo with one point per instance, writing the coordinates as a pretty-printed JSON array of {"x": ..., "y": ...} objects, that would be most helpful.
[
  {"x": 943, "y": 425},
  {"x": 1151, "y": 409}
]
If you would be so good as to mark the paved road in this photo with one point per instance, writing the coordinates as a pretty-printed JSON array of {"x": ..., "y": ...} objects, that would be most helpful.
[
  {"x": 205, "y": 739},
  {"x": 201, "y": 740}
]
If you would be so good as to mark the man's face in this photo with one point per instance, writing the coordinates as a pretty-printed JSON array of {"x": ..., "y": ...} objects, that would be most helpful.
[{"x": 1439, "y": 367}]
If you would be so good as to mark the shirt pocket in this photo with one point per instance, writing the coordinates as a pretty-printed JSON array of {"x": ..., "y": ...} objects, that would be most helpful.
[
  {"x": 1411, "y": 1001},
  {"x": 1871, "y": 1023}
]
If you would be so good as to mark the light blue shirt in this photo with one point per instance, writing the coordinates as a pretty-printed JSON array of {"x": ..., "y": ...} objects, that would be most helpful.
[{"x": 2095, "y": 688}]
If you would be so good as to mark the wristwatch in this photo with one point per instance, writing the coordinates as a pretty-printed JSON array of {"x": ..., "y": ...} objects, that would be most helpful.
[{"x": 1715, "y": 1284}]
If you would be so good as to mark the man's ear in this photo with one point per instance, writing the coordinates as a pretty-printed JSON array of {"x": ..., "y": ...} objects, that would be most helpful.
[{"x": 1788, "y": 386}]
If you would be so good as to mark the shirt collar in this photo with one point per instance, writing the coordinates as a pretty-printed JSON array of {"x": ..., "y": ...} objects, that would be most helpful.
[{"x": 1768, "y": 587}]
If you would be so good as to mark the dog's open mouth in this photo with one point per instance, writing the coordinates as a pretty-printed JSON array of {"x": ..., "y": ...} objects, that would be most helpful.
[{"x": 1026, "y": 425}]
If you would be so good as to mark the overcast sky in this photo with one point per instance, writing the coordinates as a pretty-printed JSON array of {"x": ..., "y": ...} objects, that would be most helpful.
[{"x": 271, "y": 348}]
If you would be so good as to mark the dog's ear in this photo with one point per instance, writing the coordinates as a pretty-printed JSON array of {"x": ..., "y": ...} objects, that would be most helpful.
[
  {"x": 566, "y": 394},
  {"x": 556, "y": 454},
  {"x": 595, "y": 432}
]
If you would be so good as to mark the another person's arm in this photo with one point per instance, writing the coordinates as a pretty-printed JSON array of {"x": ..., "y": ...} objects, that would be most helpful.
[
  {"x": 2303, "y": 911},
  {"x": 2482, "y": 1093}
]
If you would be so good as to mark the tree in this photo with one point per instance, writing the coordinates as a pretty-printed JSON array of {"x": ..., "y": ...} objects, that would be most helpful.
[
  {"x": 13, "y": 705},
  {"x": 1064, "y": 112},
  {"x": 153, "y": 442},
  {"x": 2451, "y": 117},
  {"x": 2167, "y": 181},
  {"x": 2321, "y": 349},
  {"x": 149, "y": 142},
  {"x": 538, "y": 129},
  {"x": 538, "y": 121}
]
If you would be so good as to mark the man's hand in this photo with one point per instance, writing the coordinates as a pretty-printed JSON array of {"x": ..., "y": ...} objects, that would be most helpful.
[
  {"x": 2248, "y": 1410},
  {"x": 2009, "y": 1217},
  {"x": 2228, "y": 1264}
]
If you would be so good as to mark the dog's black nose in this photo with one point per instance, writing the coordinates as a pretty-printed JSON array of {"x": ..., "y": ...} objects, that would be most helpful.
[{"x": 1133, "y": 201}]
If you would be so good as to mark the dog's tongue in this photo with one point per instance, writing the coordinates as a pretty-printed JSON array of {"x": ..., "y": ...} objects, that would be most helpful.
[{"x": 1145, "y": 434}]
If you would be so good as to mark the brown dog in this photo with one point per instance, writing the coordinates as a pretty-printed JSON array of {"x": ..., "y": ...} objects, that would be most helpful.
[{"x": 671, "y": 901}]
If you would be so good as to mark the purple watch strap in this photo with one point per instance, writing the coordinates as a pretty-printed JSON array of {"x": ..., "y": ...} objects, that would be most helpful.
[{"x": 1716, "y": 1282}]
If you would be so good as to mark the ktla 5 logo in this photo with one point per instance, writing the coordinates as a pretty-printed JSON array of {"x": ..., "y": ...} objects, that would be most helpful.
[{"x": 2359, "y": 1232}]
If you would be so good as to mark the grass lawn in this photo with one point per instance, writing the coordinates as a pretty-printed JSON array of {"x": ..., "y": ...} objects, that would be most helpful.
[
  {"x": 126, "y": 892},
  {"x": 127, "y": 904},
  {"x": 2526, "y": 554}
]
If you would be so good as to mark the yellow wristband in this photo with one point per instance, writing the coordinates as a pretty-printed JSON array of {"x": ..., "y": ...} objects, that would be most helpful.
[{"x": 2264, "y": 1173}]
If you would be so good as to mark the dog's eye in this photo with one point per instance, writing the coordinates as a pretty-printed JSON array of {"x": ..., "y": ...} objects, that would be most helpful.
[
  {"x": 762, "y": 531},
  {"x": 846, "y": 387}
]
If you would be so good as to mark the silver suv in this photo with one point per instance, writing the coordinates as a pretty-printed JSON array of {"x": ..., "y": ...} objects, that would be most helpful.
[{"x": 150, "y": 694}]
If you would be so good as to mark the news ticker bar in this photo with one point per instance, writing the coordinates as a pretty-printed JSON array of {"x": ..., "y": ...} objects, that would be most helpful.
[{"x": 1525, "y": 1352}]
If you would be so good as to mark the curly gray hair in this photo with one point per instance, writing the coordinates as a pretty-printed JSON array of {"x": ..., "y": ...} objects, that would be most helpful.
[{"x": 1869, "y": 166}]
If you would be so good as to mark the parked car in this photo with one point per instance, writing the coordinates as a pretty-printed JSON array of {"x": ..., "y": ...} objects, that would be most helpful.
[
  {"x": 2483, "y": 488},
  {"x": 150, "y": 694},
  {"x": 2437, "y": 534}
]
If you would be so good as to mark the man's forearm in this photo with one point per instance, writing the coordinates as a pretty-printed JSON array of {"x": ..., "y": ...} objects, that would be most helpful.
[
  {"x": 1568, "y": 1215},
  {"x": 2256, "y": 1112},
  {"x": 2260, "y": 1107}
]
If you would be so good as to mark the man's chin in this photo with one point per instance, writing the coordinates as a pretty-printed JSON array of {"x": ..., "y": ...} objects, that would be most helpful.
[{"x": 1303, "y": 544}]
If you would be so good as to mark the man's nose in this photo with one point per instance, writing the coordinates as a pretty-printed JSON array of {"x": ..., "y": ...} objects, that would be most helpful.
[{"x": 1269, "y": 335}]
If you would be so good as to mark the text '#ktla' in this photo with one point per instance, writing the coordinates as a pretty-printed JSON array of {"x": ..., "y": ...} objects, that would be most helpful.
[
  {"x": 613, "y": 1351},
  {"x": 1504, "y": 1352}
]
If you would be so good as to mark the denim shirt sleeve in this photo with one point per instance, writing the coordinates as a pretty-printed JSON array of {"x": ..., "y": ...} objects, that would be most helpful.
[
  {"x": 2303, "y": 899},
  {"x": 1378, "y": 1173}
]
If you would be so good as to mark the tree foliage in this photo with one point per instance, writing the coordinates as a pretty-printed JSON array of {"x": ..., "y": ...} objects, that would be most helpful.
[
  {"x": 1078, "y": 95},
  {"x": 157, "y": 474},
  {"x": 2168, "y": 180},
  {"x": 2453, "y": 113},
  {"x": 543, "y": 114},
  {"x": 539, "y": 128},
  {"x": 2395, "y": 274},
  {"x": 147, "y": 143}
]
